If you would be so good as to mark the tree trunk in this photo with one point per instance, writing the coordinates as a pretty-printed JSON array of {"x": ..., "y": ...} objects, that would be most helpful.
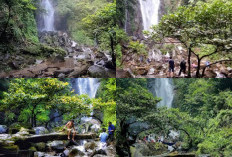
[
  {"x": 198, "y": 67},
  {"x": 124, "y": 131},
  {"x": 112, "y": 43},
  {"x": 189, "y": 62},
  {"x": 203, "y": 71},
  {"x": 34, "y": 120}
]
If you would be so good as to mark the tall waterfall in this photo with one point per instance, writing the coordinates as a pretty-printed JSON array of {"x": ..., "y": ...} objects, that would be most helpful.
[
  {"x": 150, "y": 12},
  {"x": 48, "y": 16},
  {"x": 164, "y": 90},
  {"x": 87, "y": 86}
]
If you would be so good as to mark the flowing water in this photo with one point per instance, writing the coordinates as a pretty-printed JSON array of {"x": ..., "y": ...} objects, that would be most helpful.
[
  {"x": 150, "y": 12},
  {"x": 48, "y": 16},
  {"x": 87, "y": 86},
  {"x": 164, "y": 90}
]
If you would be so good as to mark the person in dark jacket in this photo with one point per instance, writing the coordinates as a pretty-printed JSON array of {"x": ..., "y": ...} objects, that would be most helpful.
[
  {"x": 111, "y": 130},
  {"x": 171, "y": 67},
  {"x": 182, "y": 67}
]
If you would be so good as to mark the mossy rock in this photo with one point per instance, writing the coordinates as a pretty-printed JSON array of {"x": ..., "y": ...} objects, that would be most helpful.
[
  {"x": 11, "y": 147},
  {"x": 76, "y": 152},
  {"x": 33, "y": 149},
  {"x": 43, "y": 50},
  {"x": 14, "y": 128},
  {"x": 90, "y": 145},
  {"x": 50, "y": 51},
  {"x": 41, "y": 146},
  {"x": 32, "y": 50}
]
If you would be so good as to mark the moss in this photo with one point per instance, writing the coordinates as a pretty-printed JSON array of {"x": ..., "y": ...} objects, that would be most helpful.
[
  {"x": 43, "y": 50},
  {"x": 33, "y": 149},
  {"x": 41, "y": 146},
  {"x": 14, "y": 128},
  {"x": 11, "y": 147},
  {"x": 50, "y": 51}
]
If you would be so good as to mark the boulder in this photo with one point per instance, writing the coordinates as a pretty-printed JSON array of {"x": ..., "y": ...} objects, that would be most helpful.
[
  {"x": 3, "y": 129},
  {"x": 57, "y": 145},
  {"x": 95, "y": 128},
  {"x": 75, "y": 152},
  {"x": 78, "y": 71},
  {"x": 40, "y": 130},
  {"x": 97, "y": 72},
  {"x": 39, "y": 154},
  {"x": 90, "y": 145},
  {"x": 64, "y": 71},
  {"x": 61, "y": 75},
  {"x": 40, "y": 146}
]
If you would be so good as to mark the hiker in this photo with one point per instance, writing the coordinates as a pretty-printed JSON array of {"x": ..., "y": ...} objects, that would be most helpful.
[
  {"x": 103, "y": 138},
  {"x": 70, "y": 129},
  {"x": 111, "y": 130},
  {"x": 207, "y": 63},
  {"x": 171, "y": 67},
  {"x": 182, "y": 67}
]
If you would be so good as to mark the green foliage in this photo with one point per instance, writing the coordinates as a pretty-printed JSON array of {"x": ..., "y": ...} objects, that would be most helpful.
[
  {"x": 137, "y": 47},
  {"x": 31, "y": 100},
  {"x": 203, "y": 28},
  {"x": 202, "y": 113},
  {"x": 43, "y": 50},
  {"x": 106, "y": 100},
  {"x": 75, "y": 11},
  {"x": 134, "y": 101},
  {"x": 121, "y": 38},
  {"x": 100, "y": 26},
  {"x": 18, "y": 22}
]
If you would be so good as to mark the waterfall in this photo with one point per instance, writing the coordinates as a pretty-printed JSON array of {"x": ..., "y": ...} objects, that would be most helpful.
[
  {"x": 164, "y": 90},
  {"x": 48, "y": 16},
  {"x": 87, "y": 86},
  {"x": 150, "y": 12}
]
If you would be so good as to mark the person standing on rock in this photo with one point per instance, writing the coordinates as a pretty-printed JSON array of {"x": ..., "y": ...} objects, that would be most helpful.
[
  {"x": 71, "y": 129},
  {"x": 103, "y": 138},
  {"x": 171, "y": 67},
  {"x": 111, "y": 130},
  {"x": 182, "y": 67}
]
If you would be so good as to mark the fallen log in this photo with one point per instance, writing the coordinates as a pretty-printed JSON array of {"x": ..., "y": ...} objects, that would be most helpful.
[{"x": 26, "y": 141}]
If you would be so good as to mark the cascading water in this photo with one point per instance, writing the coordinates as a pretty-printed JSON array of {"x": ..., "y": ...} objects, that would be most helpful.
[
  {"x": 164, "y": 89},
  {"x": 48, "y": 16},
  {"x": 150, "y": 12},
  {"x": 87, "y": 86}
]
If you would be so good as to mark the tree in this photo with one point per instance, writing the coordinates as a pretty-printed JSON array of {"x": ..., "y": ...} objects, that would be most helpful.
[
  {"x": 133, "y": 101},
  {"x": 100, "y": 26},
  {"x": 106, "y": 101},
  {"x": 31, "y": 100},
  {"x": 204, "y": 26},
  {"x": 13, "y": 26}
]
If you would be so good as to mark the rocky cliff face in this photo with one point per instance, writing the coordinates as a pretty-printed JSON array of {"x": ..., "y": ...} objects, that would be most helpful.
[{"x": 134, "y": 23}]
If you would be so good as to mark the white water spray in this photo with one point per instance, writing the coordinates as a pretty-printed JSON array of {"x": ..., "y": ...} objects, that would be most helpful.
[
  {"x": 164, "y": 90},
  {"x": 48, "y": 15},
  {"x": 150, "y": 12},
  {"x": 87, "y": 86}
]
